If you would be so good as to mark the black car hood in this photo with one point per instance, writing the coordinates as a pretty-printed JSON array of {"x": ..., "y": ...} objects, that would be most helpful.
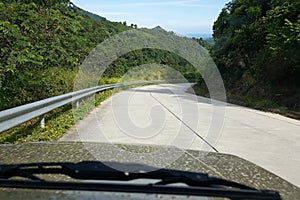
[{"x": 215, "y": 164}]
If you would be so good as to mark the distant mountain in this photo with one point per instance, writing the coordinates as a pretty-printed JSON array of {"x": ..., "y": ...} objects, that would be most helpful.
[
  {"x": 87, "y": 13},
  {"x": 200, "y": 35},
  {"x": 159, "y": 28}
]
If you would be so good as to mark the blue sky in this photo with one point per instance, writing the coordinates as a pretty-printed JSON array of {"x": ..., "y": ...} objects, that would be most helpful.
[{"x": 181, "y": 16}]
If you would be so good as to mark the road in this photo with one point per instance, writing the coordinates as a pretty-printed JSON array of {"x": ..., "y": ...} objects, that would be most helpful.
[{"x": 167, "y": 115}]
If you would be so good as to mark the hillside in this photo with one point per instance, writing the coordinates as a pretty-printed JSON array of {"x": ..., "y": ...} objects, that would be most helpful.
[
  {"x": 44, "y": 43},
  {"x": 257, "y": 52},
  {"x": 41, "y": 42},
  {"x": 89, "y": 14}
]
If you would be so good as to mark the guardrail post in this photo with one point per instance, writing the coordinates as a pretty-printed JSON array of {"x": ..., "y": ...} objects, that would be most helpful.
[
  {"x": 42, "y": 121},
  {"x": 76, "y": 104}
]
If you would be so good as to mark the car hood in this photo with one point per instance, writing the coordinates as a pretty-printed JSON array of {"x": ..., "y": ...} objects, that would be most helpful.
[{"x": 215, "y": 164}]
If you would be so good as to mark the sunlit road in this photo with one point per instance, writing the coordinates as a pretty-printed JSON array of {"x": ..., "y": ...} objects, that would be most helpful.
[{"x": 166, "y": 115}]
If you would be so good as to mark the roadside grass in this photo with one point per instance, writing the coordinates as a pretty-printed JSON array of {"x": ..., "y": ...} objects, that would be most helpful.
[
  {"x": 260, "y": 104},
  {"x": 266, "y": 105},
  {"x": 58, "y": 122}
]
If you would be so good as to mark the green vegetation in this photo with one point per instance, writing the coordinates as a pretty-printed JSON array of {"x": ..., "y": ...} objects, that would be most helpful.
[
  {"x": 206, "y": 43},
  {"x": 43, "y": 41},
  {"x": 43, "y": 44},
  {"x": 141, "y": 57},
  {"x": 58, "y": 122},
  {"x": 256, "y": 49}
]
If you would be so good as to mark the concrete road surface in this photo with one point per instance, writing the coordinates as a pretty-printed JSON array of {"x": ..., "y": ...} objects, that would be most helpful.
[{"x": 167, "y": 115}]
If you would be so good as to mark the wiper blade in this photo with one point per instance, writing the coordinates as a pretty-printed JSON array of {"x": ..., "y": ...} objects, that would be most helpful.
[{"x": 198, "y": 184}]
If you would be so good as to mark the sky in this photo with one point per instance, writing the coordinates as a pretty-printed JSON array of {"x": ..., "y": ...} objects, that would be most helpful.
[{"x": 184, "y": 17}]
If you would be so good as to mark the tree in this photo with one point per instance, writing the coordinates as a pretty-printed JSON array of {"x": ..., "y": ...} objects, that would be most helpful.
[{"x": 257, "y": 45}]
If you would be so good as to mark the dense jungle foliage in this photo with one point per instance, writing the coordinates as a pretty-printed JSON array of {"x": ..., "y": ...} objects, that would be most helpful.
[
  {"x": 43, "y": 43},
  {"x": 257, "y": 49}
]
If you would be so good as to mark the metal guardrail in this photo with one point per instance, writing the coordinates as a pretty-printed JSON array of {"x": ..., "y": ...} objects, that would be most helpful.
[{"x": 18, "y": 115}]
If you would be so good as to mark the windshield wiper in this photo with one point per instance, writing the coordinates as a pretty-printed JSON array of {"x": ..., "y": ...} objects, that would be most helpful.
[{"x": 198, "y": 184}]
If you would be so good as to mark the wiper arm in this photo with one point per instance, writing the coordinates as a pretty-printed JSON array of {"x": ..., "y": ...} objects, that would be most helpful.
[{"x": 198, "y": 184}]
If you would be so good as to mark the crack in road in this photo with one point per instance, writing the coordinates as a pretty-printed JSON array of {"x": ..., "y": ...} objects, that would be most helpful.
[{"x": 185, "y": 124}]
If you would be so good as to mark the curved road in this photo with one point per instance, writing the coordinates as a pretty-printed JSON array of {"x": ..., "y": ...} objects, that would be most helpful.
[{"x": 167, "y": 115}]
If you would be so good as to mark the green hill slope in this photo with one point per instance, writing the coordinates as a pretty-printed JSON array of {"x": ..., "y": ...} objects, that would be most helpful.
[
  {"x": 44, "y": 43},
  {"x": 257, "y": 51}
]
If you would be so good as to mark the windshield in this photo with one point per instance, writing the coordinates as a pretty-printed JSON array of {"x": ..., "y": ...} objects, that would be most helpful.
[{"x": 191, "y": 85}]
